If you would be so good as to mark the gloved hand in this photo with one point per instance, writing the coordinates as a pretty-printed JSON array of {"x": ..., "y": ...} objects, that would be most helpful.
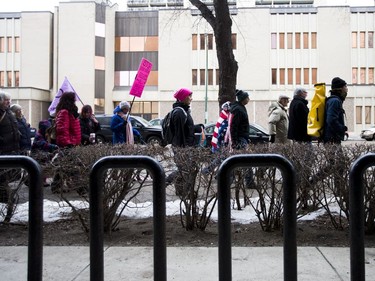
[{"x": 272, "y": 138}]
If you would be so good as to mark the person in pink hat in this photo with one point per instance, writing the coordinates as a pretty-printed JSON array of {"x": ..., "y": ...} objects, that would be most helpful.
[{"x": 183, "y": 124}]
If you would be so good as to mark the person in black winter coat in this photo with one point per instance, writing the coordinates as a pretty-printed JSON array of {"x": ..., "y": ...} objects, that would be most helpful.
[
  {"x": 183, "y": 124},
  {"x": 334, "y": 123},
  {"x": 239, "y": 126},
  {"x": 23, "y": 128},
  {"x": 298, "y": 112}
]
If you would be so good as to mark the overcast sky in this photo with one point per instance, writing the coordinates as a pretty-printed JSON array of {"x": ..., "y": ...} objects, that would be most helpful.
[{"x": 37, "y": 5}]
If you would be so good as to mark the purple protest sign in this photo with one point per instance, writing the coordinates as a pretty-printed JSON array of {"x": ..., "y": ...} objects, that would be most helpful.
[{"x": 141, "y": 78}]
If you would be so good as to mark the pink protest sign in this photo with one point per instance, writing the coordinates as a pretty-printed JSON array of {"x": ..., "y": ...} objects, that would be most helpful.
[{"x": 141, "y": 78}]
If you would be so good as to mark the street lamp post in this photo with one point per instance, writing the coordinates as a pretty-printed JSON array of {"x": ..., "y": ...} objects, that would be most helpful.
[{"x": 206, "y": 78}]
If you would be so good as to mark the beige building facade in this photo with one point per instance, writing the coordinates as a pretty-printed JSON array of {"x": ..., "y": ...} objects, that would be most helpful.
[{"x": 278, "y": 45}]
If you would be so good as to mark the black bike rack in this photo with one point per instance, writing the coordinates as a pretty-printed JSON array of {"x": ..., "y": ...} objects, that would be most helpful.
[
  {"x": 357, "y": 216},
  {"x": 96, "y": 212},
  {"x": 35, "y": 247},
  {"x": 289, "y": 201}
]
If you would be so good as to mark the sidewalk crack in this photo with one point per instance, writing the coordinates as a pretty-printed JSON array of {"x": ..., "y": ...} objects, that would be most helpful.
[{"x": 331, "y": 265}]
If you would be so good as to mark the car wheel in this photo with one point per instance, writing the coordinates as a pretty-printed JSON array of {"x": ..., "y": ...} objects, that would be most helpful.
[
  {"x": 100, "y": 139},
  {"x": 154, "y": 140}
]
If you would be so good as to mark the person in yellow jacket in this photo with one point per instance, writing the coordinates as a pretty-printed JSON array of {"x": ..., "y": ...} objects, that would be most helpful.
[{"x": 278, "y": 120}]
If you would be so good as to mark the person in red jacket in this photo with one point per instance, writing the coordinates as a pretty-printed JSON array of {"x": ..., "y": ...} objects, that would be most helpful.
[{"x": 68, "y": 129}]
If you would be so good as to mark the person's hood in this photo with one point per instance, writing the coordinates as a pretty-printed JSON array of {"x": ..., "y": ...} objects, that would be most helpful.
[
  {"x": 273, "y": 106},
  {"x": 116, "y": 110}
]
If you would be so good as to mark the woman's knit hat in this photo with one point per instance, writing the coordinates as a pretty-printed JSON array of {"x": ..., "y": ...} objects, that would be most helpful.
[
  {"x": 182, "y": 93},
  {"x": 241, "y": 95},
  {"x": 337, "y": 83}
]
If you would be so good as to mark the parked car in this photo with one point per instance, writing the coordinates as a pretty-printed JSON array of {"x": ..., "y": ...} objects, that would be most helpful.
[
  {"x": 368, "y": 134},
  {"x": 156, "y": 121},
  {"x": 257, "y": 133},
  {"x": 149, "y": 133}
]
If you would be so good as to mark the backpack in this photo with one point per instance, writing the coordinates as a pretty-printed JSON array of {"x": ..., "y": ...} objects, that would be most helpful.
[
  {"x": 315, "y": 119},
  {"x": 168, "y": 127}
]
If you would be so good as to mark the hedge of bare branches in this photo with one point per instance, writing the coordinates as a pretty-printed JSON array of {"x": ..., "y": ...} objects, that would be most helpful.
[{"x": 322, "y": 182}]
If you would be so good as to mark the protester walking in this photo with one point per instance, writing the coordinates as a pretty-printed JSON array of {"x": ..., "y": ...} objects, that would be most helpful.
[
  {"x": 239, "y": 125},
  {"x": 278, "y": 120},
  {"x": 298, "y": 112},
  {"x": 23, "y": 129}
]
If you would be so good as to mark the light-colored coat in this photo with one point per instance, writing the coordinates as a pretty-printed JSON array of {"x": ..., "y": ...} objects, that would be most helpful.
[{"x": 278, "y": 122}]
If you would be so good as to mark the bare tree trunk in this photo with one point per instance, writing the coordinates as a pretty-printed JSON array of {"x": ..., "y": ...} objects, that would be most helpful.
[{"x": 221, "y": 24}]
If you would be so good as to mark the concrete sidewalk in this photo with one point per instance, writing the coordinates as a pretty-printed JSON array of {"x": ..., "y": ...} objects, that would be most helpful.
[{"x": 187, "y": 263}]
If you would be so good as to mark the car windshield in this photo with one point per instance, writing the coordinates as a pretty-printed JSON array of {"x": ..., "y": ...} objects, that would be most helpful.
[{"x": 141, "y": 120}]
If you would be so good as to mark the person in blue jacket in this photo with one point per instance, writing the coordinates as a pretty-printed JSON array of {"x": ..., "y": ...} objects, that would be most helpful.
[{"x": 121, "y": 126}]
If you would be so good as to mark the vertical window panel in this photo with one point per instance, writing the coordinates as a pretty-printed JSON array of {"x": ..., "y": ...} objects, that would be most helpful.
[
  {"x": 117, "y": 44},
  {"x": 282, "y": 41},
  {"x": 194, "y": 42},
  {"x": 137, "y": 44},
  {"x": 152, "y": 79},
  {"x": 358, "y": 114},
  {"x": 290, "y": 76},
  {"x": 9, "y": 78},
  {"x": 274, "y": 76},
  {"x": 17, "y": 78},
  {"x": 282, "y": 76},
  {"x": 9, "y": 43},
  {"x": 314, "y": 76},
  {"x": 306, "y": 79},
  {"x": 313, "y": 40},
  {"x": 151, "y": 43},
  {"x": 367, "y": 114},
  {"x": 305, "y": 40},
  {"x": 362, "y": 73},
  {"x": 273, "y": 40},
  {"x": 354, "y": 40},
  {"x": 298, "y": 76},
  {"x": 370, "y": 39},
  {"x": 17, "y": 44},
  {"x": 371, "y": 75},
  {"x": 298, "y": 40},
  {"x": 234, "y": 41},
  {"x": 362, "y": 39},
  {"x": 194, "y": 77},
  {"x": 2, "y": 79},
  {"x": 290, "y": 40},
  {"x": 354, "y": 75},
  {"x": 210, "y": 77},
  {"x": 202, "y": 77},
  {"x": 210, "y": 41},
  {"x": 202, "y": 42},
  {"x": 2, "y": 44}
]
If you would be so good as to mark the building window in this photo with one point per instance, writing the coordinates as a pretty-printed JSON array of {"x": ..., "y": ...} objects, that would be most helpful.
[
  {"x": 358, "y": 114},
  {"x": 273, "y": 41},
  {"x": 305, "y": 40},
  {"x": 354, "y": 75},
  {"x": 234, "y": 41},
  {"x": 202, "y": 42},
  {"x": 367, "y": 114},
  {"x": 362, "y": 74},
  {"x": 313, "y": 40},
  {"x": 9, "y": 78},
  {"x": 290, "y": 76},
  {"x": 282, "y": 41},
  {"x": 371, "y": 75},
  {"x": 194, "y": 77},
  {"x": 306, "y": 73},
  {"x": 371, "y": 39},
  {"x": 354, "y": 39},
  {"x": 145, "y": 109},
  {"x": 2, "y": 77},
  {"x": 17, "y": 44},
  {"x": 298, "y": 76},
  {"x": 290, "y": 40},
  {"x": 2, "y": 44},
  {"x": 9, "y": 44},
  {"x": 298, "y": 40},
  {"x": 282, "y": 76},
  {"x": 210, "y": 77},
  {"x": 210, "y": 40},
  {"x": 362, "y": 39},
  {"x": 314, "y": 73},
  {"x": 274, "y": 76},
  {"x": 194, "y": 42},
  {"x": 17, "y": 78},
  {"x": 202, "y": 77}
]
